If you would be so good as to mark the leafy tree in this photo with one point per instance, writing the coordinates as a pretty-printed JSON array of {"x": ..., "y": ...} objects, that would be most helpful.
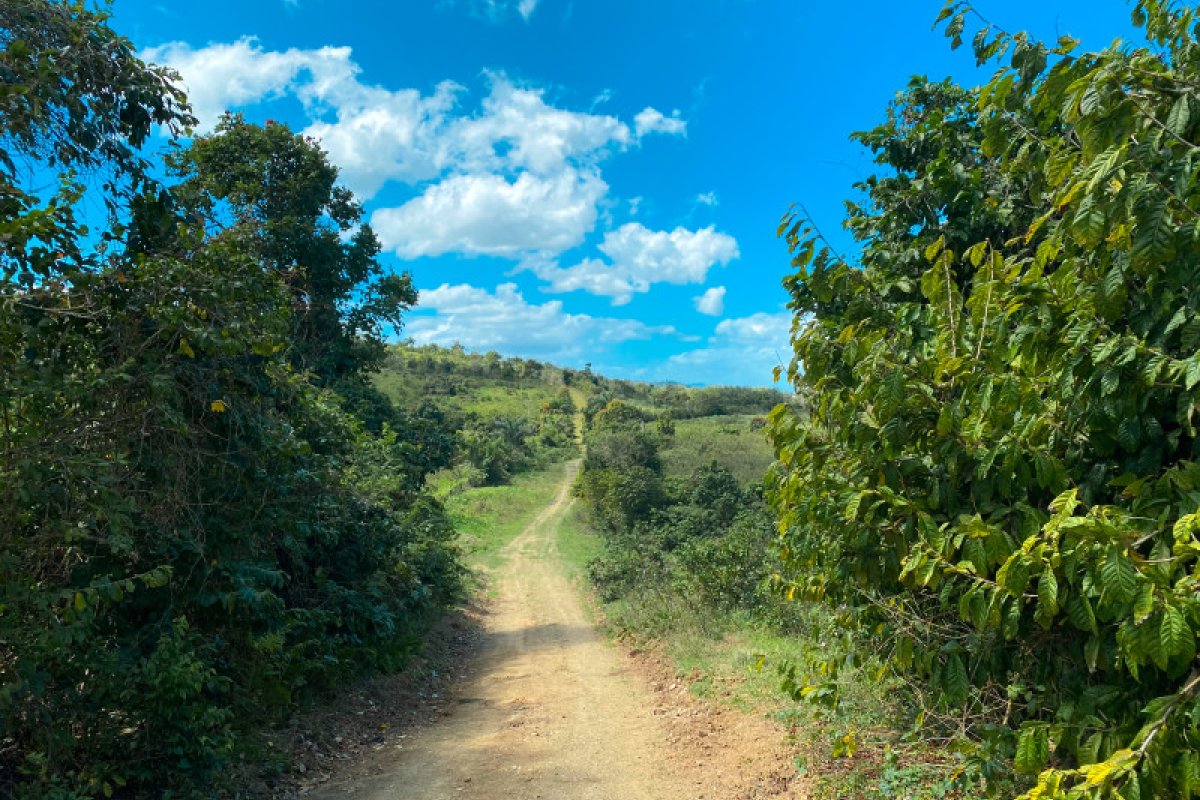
[
  {"x": 999, "y": 469},
  {"x": 279, "y": 191},
  {"x": 196, "y": 536}
]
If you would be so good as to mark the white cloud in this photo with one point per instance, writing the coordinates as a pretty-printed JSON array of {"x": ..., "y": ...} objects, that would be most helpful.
[
  {"x": 741, "y": 351},
  {"x": 708, "y": 199},
  {"x": 504, "y": 321},
  {"x": 712, "y": 302},
  {"x": 651, "y": 120},
  {"x": 488, "y": 214},
  {"x": 223, "y": 76},
  {"x": 499, "y": 10},
  {"x": 639, "y": 257},
  {"x": 514, "y": 175},
  {"x": 518, "y": 129}
]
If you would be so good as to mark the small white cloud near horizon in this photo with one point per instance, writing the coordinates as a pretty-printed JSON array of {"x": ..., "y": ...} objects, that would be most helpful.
[
  {"x": 639, "y": 257},
  {"x": 494, "y": 11},
  {"x": 503, "y": 320},
  {"x": 712, "y": 302}
]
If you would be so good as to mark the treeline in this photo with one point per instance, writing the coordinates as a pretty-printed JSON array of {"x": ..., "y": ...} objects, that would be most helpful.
[
  {"x": 998, "y": 483},
  {"x": 208, "y": 514},
  {"x": 432, "y": 359}
]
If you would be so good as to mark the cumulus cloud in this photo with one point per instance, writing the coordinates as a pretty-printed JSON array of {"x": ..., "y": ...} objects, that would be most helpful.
[
  {"x": 517, "y": 129},
  {"x": 712, "y": 302},
  {"x": 487, "y": 214},
  {"x": 223, "y": 76},
  {"x": 651, "y": 120},
  {"x": 534, "y": 164},
  {"x": 639, "y": 257},
  {"x": 503, "y": 320},
  {"x": 741, "y": 351}
]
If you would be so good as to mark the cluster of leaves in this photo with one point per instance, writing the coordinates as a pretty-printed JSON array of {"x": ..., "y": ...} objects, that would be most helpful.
[
  {"x": 703, "y": 538},
  {"x": 999, "y": 476},
  {"x": 197, "y": 532}
]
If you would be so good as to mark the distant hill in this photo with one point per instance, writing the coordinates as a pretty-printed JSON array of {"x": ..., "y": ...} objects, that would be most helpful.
[{"x": 489, "y": 384}]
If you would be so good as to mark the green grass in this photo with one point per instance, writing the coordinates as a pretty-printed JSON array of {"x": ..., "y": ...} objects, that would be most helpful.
[
  {"x": 577, "y": 544},
  {"x": 489, "y": 517},
  {"x": 728, "y": 440},
  {"x": 506, "y": 401},
  {"x": 486, "y": 397},
  {"x": 734, "y": 660}
]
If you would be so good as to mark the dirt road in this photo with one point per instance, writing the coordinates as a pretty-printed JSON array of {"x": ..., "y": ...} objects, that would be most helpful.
[{"x": 553, "y": 711}]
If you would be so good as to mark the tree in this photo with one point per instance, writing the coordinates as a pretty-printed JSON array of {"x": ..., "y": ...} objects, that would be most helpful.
[
  {"x": 77, "y": 100},
  {"x": 279, "y": 190},
  {"x": 999, "y": 468},
  {"x": 195, "y": 535}
]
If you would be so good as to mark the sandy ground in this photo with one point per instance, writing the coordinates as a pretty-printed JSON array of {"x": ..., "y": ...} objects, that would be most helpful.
[{"x": 549, "y": 709}]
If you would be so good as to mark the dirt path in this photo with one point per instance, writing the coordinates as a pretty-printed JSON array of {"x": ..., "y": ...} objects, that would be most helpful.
[{"x": 553, "y": 711}]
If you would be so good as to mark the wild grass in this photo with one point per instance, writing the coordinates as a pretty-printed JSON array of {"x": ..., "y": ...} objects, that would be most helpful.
[
  {"x": 736, "y": 660},
  {"x": 484, "y": 396},
  {"x": 489, "y": 517},
  {"x": 729, "y": 440},
  {"x": 577, "y": 543}
]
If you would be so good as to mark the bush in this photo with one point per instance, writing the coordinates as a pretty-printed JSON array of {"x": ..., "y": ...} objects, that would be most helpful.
[{"x": 998, "y": 476}]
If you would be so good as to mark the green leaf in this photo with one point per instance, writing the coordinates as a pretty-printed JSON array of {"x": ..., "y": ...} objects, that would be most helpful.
[
  {"x": 1153, "y": 235},
  {"x": 1080, "y": 612},
  {"x": 1047, "y": 597},
  {"x": 1088, "y": 224},
  {"x": 1143, "y": 606},
  {"x": 1013, "y": 576},
  {"x": 1174, "y": 633},
  {"x": 1119, "y": 576},
  {"x": 1192, "y": 375},
  {"x": 954, "y": 679},
  {"x": 1180, "y": 116},
  {"x": 1033, "y": 749},
  {"x": 1091, "y": 653},
  {"x": 935, "y": 248}
]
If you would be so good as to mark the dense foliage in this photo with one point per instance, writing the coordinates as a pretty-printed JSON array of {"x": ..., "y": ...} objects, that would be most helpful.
[
  {"x": 701, "y": 539},
  {"x": 506, "y": 415},
  {"x": 195, "y": 533},
  {"x": 999, "y": 478}
]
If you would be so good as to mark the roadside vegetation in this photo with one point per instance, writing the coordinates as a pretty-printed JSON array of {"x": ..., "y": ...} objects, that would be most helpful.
[
  {"x": 996, "y": 488},
  {"x": 684, "y": 559}
]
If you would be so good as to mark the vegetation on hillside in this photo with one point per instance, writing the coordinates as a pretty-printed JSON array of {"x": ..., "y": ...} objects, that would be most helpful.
[
  {"x": 201, "y": 530},
  {"x": 506, "y": 415},
  {"x": 997, "y": 485},
  {"x": 696, "y": 533}
]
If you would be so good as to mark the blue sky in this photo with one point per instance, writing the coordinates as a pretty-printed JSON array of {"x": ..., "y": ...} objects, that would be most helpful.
[{"x": 586, "y": 180}]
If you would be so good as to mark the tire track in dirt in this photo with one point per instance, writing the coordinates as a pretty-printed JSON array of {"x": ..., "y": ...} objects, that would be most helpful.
[{"x": 553, "y": 711}]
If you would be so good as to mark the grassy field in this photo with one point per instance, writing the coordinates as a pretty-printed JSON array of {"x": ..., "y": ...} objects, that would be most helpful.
[
  {"x": 483, "y": 396},
  {"x": 489, "y": 517},
  {"x": 728, "y": 440}
]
